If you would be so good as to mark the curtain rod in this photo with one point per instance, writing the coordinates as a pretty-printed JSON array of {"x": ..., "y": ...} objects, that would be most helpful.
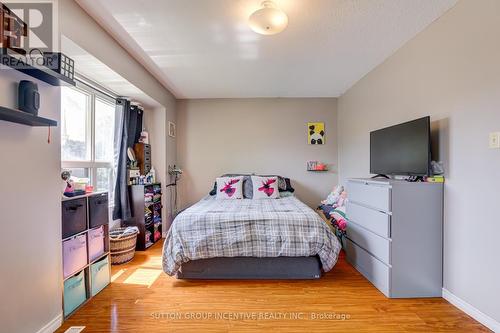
[{"x": 88, "y": 82}]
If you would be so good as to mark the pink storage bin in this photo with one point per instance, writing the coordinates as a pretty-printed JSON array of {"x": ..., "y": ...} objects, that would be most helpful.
[
  {"x": 74, "y": 254},
  {"x": 96, "y": 242}
]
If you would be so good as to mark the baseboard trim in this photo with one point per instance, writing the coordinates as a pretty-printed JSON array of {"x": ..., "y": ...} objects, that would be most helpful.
[
  {"x": 484, "y": 319},
  {"x": 52, "y": 325}
]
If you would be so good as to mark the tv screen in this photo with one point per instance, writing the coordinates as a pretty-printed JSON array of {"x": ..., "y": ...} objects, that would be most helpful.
[{"x": 403, "y": 149}]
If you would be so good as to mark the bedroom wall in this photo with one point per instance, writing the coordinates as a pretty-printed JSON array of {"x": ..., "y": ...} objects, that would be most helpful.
[
  {"x": 450, "y": 71},
  {"x": 30, "y": 214},
  {"x": 267, "y": 136}
]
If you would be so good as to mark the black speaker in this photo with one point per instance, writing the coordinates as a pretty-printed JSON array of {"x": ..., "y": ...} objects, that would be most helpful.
[{"x": 28, "y": 97}]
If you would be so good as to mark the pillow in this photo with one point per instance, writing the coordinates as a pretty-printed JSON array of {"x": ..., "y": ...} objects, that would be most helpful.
[
  {"x": 265, "y": 187},
  {"x": 288, "y": 187},
  {"x": 229, "y": 188},
  {"x": 286, "y": 194},
  {"x": 284, "y": 184},
  {"x": 247, "y": 185}
]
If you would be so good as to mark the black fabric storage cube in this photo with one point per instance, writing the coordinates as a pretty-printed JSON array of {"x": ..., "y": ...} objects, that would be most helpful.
[
  {"x": 74, "y": 216},
  {"x": 98, "y": 209}
]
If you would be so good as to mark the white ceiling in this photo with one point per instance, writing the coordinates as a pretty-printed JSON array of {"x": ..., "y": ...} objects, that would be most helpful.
[
  {"x": 92, "y": 68},
  {"x": 205, "y": 48}
]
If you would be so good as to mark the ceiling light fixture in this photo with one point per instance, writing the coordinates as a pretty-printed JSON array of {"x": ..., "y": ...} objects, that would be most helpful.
[{"x": 269, "y": 20}]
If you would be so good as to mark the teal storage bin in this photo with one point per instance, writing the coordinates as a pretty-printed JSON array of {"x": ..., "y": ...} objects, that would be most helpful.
[
  {"x": 100, "y": 275},
  {"x": 74, "y": 292}
]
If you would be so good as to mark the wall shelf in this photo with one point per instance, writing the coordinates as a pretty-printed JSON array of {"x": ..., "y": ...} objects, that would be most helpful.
[
  {"x": 41, "y": 73},
  {"x": 24, "y": 118}
]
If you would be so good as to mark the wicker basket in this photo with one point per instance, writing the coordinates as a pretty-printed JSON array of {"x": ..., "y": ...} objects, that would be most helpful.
[{"x": 122, "y": 247}]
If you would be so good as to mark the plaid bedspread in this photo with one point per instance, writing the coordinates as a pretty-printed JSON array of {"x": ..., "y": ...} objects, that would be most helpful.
[{"x": 248, "y": 228}]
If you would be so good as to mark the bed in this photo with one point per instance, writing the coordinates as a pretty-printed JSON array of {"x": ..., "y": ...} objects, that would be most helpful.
[{"x": 249, "y": 239}]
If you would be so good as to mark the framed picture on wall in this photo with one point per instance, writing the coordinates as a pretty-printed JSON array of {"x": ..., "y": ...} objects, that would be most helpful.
[
  {"x": 171, "y": 129},
  {"x": 316, "y": 133}
]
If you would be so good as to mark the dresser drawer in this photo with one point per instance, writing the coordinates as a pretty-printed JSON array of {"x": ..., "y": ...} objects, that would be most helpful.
[
  {"x": 96, "y": 242},
  {"x": 376, "y": 245},
  {"x": 74, "y": 292},
  {"x": 100, "y": 275},
  {"x": 74, "y": 217},
  {"x": 98, "y": 210},
  {"x": 369, "y": 194},
  {"x": 371, "y": 268},
  {"x": 374, "y": 220},
  {"x": 74, "y": 254}
]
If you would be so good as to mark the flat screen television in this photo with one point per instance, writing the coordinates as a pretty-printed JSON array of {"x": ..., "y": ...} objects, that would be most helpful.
[{"x": 403, "y": 149}]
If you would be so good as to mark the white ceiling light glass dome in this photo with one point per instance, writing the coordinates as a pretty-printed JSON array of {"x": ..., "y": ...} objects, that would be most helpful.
[{"x": 269, "y": 20}]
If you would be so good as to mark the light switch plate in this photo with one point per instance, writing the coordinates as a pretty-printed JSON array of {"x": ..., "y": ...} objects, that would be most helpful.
[{"x": 495, "y": 140}]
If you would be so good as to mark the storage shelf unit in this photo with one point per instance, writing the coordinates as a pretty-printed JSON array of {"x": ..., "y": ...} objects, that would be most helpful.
[
  {"x": 86, "y": 257},
  {"x": 24, "y": 118},
  {"x": 146, "y": 211}
]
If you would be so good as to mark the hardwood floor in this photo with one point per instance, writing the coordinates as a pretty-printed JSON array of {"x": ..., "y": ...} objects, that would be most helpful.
[{"x": 142, "y": 298}]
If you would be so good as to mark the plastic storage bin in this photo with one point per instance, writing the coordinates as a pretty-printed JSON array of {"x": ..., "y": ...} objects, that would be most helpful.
[
  {"x": 74, "y": 217},
  {"x": 98, "y": 210},
  {"x": 100, "y": 275},
  {"x": 74, "y": 254},
  {"x": 96, "y": 242},
  {"x": 74, "y": 292}
]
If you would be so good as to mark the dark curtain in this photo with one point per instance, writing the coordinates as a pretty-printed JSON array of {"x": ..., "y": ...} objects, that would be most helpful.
[
  {"x": 127, "y": 133},
  {"x": 122, "y": 208},
  {"x": 135, "y": 125}
]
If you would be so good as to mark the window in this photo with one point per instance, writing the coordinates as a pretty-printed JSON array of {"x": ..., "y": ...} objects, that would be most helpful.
[{"x": 87, "y": 135}]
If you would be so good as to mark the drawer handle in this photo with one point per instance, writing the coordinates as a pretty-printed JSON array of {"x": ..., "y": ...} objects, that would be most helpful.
[
  {"x": 99, "y": 202},
  {"x": 76, "y": 283},
  {"x": 97, "y": 235},
  {"x": 74, "y": 248},
  {"x": 101, "y": 266},
  {"x": 74, "y": 208}
]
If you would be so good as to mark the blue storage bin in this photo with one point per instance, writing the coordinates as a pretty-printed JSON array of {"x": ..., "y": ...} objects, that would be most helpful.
[
  {"x": 100, "y": 275},
  {"x": 74, "y": 292}
]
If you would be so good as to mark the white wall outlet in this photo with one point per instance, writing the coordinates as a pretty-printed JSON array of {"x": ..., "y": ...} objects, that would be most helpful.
[{"x": 495, "y": 140}]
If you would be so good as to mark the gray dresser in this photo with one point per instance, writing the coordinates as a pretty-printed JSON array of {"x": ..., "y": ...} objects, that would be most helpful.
[{"x": 394, "y": 235}]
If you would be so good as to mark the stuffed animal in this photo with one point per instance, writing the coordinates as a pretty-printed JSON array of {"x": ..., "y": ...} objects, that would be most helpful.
[
  {"x": 334, "y": 196},
  {"x": 342, "y": 201},
  {"x": 341, "y": 224}
]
